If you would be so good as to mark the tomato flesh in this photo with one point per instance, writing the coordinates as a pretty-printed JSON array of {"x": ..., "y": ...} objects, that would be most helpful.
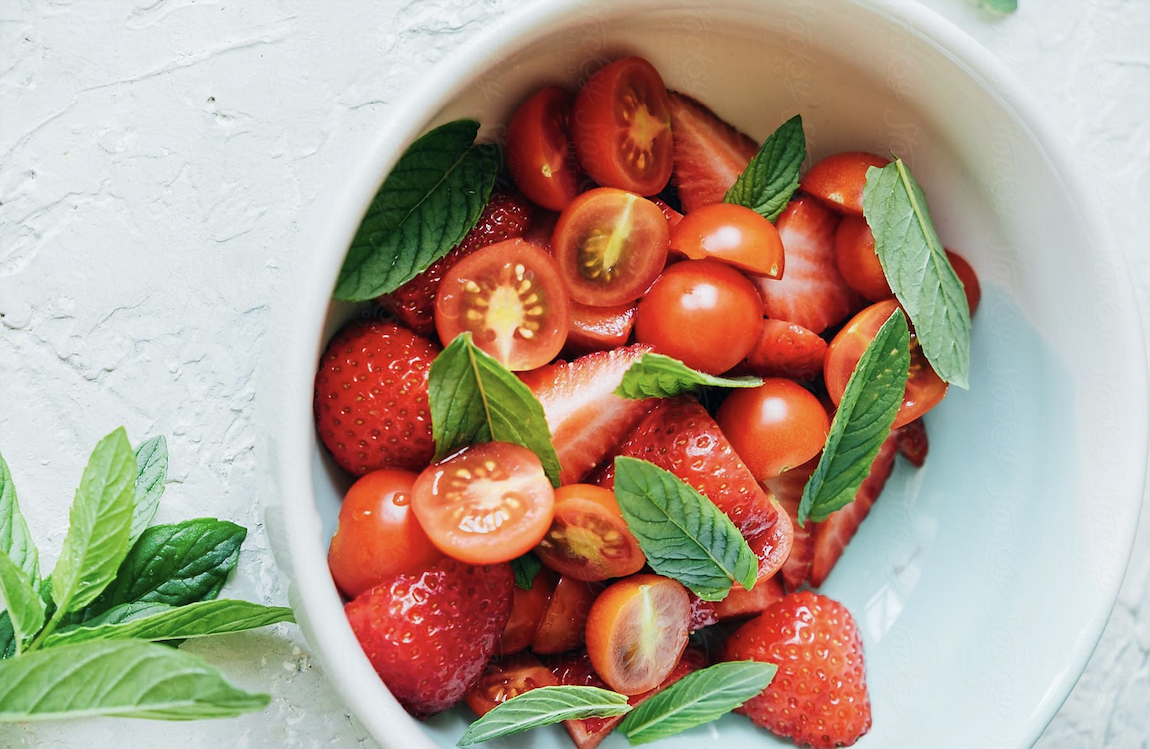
[
  {"x": 540, "y": 156},
  {"x": 732, "y": 234},
  {"x": 589, "y": 539},
  {"x": 775, "y": 426}
]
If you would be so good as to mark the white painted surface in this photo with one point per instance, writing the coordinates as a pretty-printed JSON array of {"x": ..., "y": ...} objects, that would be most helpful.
[{"x": 154, "y": 157}]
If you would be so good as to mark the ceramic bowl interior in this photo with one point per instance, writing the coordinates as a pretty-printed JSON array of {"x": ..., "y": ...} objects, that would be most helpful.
[{"x": 981, "y": 582}]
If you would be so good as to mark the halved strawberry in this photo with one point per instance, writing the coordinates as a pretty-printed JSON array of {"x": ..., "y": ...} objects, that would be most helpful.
[
  {"x": 811, "y": 292},
  {"x": 587, "y": 420},
  {"x": 788, "y": 490},
  {"x": 709, "y": 154},
  {"x": 601, "y": 328},
  {"x": 786, "y": 349}
]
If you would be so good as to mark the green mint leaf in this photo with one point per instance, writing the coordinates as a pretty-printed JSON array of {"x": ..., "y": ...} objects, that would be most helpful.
[
  {"x": 428, "y": 203},
  {"x": 862, "y": 421},
  {"x": 684, "y": 535},
  {"x": 23, "y": 604},
  {"x": 917, "y": 269},
  {"x": 7, "y": 636},
  {"x": 544, "y": 706},
  {"x": 768, "y": 182},
  {"x": 659, "y": 376},
  {"x": 99, "y": 524},
  {"x": 696, "y": 699},
  {"x": 151, "y": 471},
  {"x": 15, "y": 540},
  {"x": 473, "y": 398},
  {"x": 526, "y": 568},
  {"x": 126, "y": 612},
  {"x": 120, "y": 679},
  {"x": 1001, "y": 6}
]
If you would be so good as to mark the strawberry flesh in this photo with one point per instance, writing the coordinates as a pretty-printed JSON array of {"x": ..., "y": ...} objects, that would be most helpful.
[
  {"x": 709, "y": 154},
  {"x": 786, "y": 349},
  {"x": 787, "y": 488}
]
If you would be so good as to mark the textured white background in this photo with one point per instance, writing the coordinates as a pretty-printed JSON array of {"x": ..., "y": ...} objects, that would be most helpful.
[{"x": 154, "y": 157}]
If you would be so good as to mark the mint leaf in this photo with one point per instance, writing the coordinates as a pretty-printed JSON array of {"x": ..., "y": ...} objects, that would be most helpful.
[
  {"x": 473, "y": 398},
  {"x": 163, "y": 622},
  {"x": 526, "y": 568},
  {"x": 659, "y": 376},
  {"x": 544, "y": 706},
  {"x": 430, "y": 200},
  {"x": 1001, "y": 6},
  {"x": 23, "y": 604},
  {"x": 918, "y": 270},
  {"x": 863, "y": 420},
  {"x": 7, "y": 636},
  {"x": 15, "y": 540},
  {"x": 684, "y": 535},
  {"x": 768, "y": 182},
  {"x": 123, "y": 679},
  {"x": 151, "y": 471},
  {"x": 698, "y": 698}
]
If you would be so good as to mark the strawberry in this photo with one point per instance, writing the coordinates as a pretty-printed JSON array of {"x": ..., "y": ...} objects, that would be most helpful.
[
  {"x": 741, "y": 603},
  {"x": 709, "y": 154},
  {"x": 812, "y": 292},
  {"x": 599, "y": 328},
  {"x": 786, "y": 349},
  {"x": 912, "y": 442},
  {"x": 818, "y": 696},
  {"x": 371, "y": 398},
  {"x": 788, "y": 490},
  {"x": 429, "y": 634},
  {"x": 587, "y": 420},
  {"x": 506, "y": 216}
]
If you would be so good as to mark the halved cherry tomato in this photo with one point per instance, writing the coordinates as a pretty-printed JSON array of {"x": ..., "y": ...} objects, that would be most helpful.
[
  {"x": 786, "y": 349},
  {"x": 857, "y": 260},
  {"x": 702, "y": 312},
  {"x": 637, "y": 630},
  {"x": 539, "y": 152},
  {"x": 600, "y": 328},
  {"x": 527, "y": 609},
  {"x": 485, "y": 504},
  {"x": 732, "y": 234},
  {"x": 378, "y": 537},
  {"x": 775, "y": 426},
  {"x": 505, "y": 678},
  {"x": 621, "y": 127},
  {"x": 839, "y": 180},
  {"x": 965, "y": 272},
  {"x": 564, "y": 623},
  {"x": 924, "y": 388},
  {"x": 610, "y": 245},
  {"x": 510, "y": 298},
  {"x": 588, "y": 538}
]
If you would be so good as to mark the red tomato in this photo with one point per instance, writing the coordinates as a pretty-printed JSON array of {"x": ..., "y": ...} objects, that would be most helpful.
[
  {"x": 505, "y": 678},
  {"x": 857, "y": 260},
  {"x": 539, "y": 153},
  {"x": 774, "y": 427},
  {"x": 702, "y": 312},
  {"x": 510, "y": 298},
  {"x": 839, "y": 180},
  {"x": 485, "y": 504},
  {"x": 378, "y": 537},
  {"x": 924, "y": 388},
  {"x": 733, "y": 234},
  {"x": 599, "y": 328},
  {"x": 527, "y": 608},
  {"x": 621, "y": 126},
  {"x": 610, "y": 245},
  {"x": 588, "y": 538},
  {"x": 563, "y": 625},
  {"x": 969, "y": 279}
]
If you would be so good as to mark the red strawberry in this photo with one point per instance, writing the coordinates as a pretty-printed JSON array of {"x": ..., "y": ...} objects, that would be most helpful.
[
  {"x": 818, "y": 696},
  {"x": 599, "y": 328},
  {"x": 507, "y": 215},
  {"x": 430, "y": 634},
  {"x": 786, "y": 349},
  {"x": 703, "y": 613},
  {"x": 912, "y": 442},
  {"x": 740, "y": 603},
  {"x": 788, "y": 490},
  {"x": 587, "y": 420},
  {"x": 811, "y": 292},
  {"x": 709, "y": 154},
  {"x": 371, "y": 398}
]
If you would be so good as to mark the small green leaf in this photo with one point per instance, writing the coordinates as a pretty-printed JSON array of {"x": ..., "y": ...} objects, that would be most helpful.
[
  {"x": 526, "y": 568},
  {"x": 698, "y": 698},
  {"x": 433, "y": 196},
  {"x": 24, "y": 607},
  {"x": 1001, "y": 6},
  {"x": 862, "y": 421},
  {"x": 768, "y": 182},
  {"x": 544, "y": 706},
  {"x": 151, "y": 471},
  {"x": 473, "y": 398},
  {"x": 7, "y": 636},
  {"x": 659, "y": 376},
  {"x": 918, "y": 270},
  {"x": 121, "y": 679},
  {"x": 15, "y": 540},
  {"x": 683, "y": 534}
]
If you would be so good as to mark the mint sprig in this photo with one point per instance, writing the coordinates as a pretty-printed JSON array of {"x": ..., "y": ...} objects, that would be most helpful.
[
  {"x": 659, "y": 376},
  {"x": 544, "y": 706},
  {"x": 151, "y": 473},
  {"x": 22, "y": 603},
  {"x": 767, "y": 183},
  {"x": 15, "y": 540}
]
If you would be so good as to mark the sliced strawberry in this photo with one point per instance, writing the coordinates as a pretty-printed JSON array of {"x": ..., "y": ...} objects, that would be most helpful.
[
  {"x": 703, "y": 613},
  {"x": 912, "y": 442},
  {"x": 587, "y": 420},
  {"x": 786, "y": 349},
  {"x": 709, "y": 154},
  {"x": 788, "y": 490},
  {"x": 812, "y": 291},
  {"x": 601, "y": 328},
  {"x": 741, "y": 603}
]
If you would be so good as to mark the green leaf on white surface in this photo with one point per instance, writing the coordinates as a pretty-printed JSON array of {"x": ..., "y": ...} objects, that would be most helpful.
[
  {"x": 659, "y": 376},
  {"x": 15, "y": 540},
  {"x": 544, "y": 706},
  {"x": 1001, "y": 6},
  {"x": 769, "y": 181},
  {"x": 22, "y": 603},
  {"x": 151, "y": 471}
]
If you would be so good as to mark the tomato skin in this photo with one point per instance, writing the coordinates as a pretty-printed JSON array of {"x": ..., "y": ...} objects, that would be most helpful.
[
  {"x": 540, "y": 156},
  {"x": 774, "y": 427},
  {"x": 924, "y": 388},
  {"x": 564, "y": 623},
  {"x": 610, "y": 245},
  {"x": 965, "y": 272},
  {"x": 702, "y": 312},
  {"x": 588, "y": 539},
  {"x": 621, "y": 127},
  {"x": 378, "y": 536},
  {"x": 485, "y": 504},
  {"x": 857, "y": 260},
  {"x": 732, "y": 234},
  {"x": 505, "y": 678},
  {"x": 527, "y": 609},
  {"x": 599, "y": 328},
  {"x": 839, "y": 179}
]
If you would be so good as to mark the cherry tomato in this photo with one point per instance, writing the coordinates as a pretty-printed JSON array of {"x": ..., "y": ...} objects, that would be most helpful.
[
  {"x": 787, "y": 349},
  {"x": 510, "y": 298},
  {"x": 775, "y": 426},
  {"x": 839, "y": 180},
  {"x": 733, "y": 234},
  {"x": 610, "y": 245},
  {"x": 969, "y": 278},
  {"x": 539, "y": 152},
  {"x": 857, "y": 260},
  {"x": 485, "y": 504},
  {"x": 924, "y": 388},
  {"x": 600, "y": 328},
  {"x": 702, "y": 312},
  {"x": 637, "y": 630},
  {"x": 564, "y": 623},
  {"x": 588, "y": 538},
  {"x": 527, "y": 608},
  {"x": 505, "y": 678},
  {"x": 621, "y": 126},
  {"x": 378, "y": 537}
]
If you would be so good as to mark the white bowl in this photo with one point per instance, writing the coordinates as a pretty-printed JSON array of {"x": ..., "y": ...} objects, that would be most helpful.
[{"x": 982, "y": 581}]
